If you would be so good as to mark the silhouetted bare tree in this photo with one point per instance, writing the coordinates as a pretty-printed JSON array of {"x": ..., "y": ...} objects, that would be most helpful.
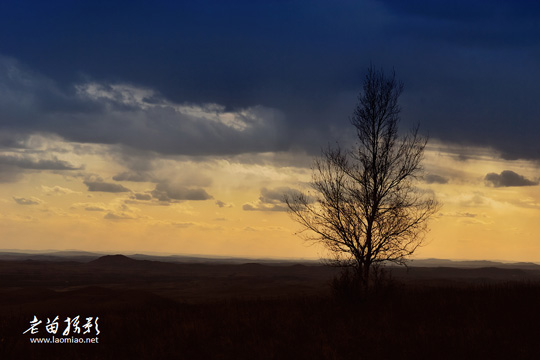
[{"x": 365, "y": 207}]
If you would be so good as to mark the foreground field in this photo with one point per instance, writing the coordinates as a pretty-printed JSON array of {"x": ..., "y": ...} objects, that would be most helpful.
[{"x": 472, "y": 316}]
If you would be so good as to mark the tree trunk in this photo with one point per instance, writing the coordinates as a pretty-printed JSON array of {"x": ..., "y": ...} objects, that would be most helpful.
[
  {"x": 365, "y": 277},
  {"x": 362, "y": 275}
]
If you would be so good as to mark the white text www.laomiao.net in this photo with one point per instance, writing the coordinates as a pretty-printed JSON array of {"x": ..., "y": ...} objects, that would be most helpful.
[{"x": 64, "y": 340}]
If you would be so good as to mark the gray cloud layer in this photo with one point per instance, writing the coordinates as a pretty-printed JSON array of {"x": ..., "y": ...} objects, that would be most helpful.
[
  {"x": 289, "y": 70},
  {"x": 123, "y": 114}
]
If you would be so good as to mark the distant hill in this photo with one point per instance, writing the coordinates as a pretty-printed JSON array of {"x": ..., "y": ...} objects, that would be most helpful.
[{"x": 114, "y": 260}]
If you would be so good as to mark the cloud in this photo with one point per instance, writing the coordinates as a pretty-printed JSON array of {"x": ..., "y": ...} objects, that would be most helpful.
[
  {"x": 205, "y": 129},
  {"x": 283, "y": 84},
  {"x": 114, "y": 210},
  {"x": 57, "y": 190},
  {"x": 183, "y": 225},
  {"x": 168, "y": 192},
  {"x": 27, "y": 201},
  {"x": 105, "y": 187},
  {"x": 25, "y": 162},
  {"x": 264, "y": 228},
  {"x": 13, "y": 167},
  {"x": 118, "y": 216},
  {"x": 263, "y": 207},
  {"x": 134, "y": 116},
  {"x": 277, "y": 195},
  {"x": 142, "y": 197},
  {"x": 508, "y": 178},
  {"x": 271, "y": 199},
  {"x": 132, "y": 176},
  {"x": 527, "y": 203},
  {"x": 90, "y": 206},
  {"x": 9, "y": 173},
  {"x": 222, "y": 204},
  {"x": 476, "y": 199},
  {"x": 20, "y": 154},
  {"x": 460, "y": 214},
  {"x": 435, "y": 179},
  {"x": 122, "y": 212},
  {"x": 94, "y": 208}
]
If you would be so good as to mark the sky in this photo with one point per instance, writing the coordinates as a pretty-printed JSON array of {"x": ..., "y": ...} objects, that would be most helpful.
[{"x": 177, "y": 126}]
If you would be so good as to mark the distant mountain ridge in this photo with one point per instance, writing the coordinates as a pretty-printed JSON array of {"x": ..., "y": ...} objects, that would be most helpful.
[
  {"x": 472, "y": 264},
  {"x": 119, "y": 259}
]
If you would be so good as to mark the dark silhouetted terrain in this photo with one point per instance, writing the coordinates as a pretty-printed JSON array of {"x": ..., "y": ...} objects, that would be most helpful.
[{"x": 152, "y": 309}]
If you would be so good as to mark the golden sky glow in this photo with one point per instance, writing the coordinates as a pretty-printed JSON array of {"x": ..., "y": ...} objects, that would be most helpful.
[
  {"x": 47, "y": 209},
  {"x": 175, "y": 127}
]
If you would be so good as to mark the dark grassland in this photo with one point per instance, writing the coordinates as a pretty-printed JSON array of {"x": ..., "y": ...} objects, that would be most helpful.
[{"x": 154, "y": 310}]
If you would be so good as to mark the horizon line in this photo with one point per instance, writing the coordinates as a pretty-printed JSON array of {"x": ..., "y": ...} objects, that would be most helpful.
[{"x": 249, "y": 257}]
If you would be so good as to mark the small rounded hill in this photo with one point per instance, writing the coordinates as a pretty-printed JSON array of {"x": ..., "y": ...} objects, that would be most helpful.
[{"x": 113, "y": 260}]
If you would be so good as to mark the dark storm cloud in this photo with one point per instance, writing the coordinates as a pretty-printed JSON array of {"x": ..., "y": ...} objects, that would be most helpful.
[
  {"x": 26, "y": 96},
  {"x": 508, "y": 178},
  {"x": 105, "y": 187},
  {"x": 489, "y": 19},
  {"x": 98, "y": 113},
  {"x": 469, "y": 68}
]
